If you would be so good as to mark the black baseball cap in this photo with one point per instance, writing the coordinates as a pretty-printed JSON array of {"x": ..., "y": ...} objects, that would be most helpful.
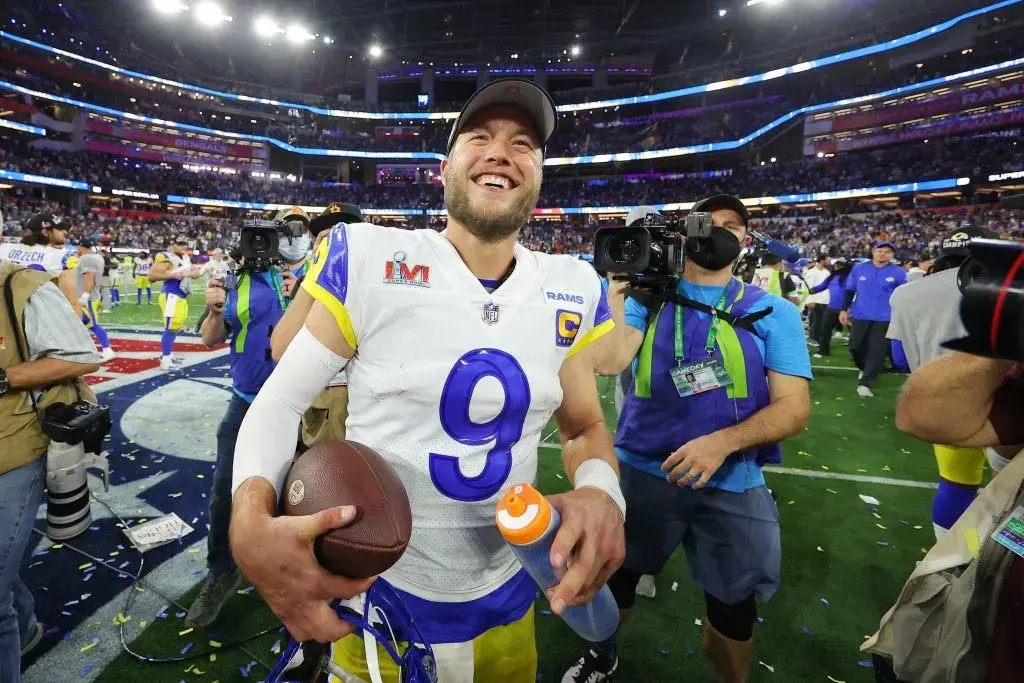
[
  {"x": 517, "y": 92},
  {"x": 723, "y": 201},
  {"x": 87, "y": 243},
  {"x": 42, "y": 221},
  {"x": 957, "y": 243},
  {"x": 179, "y": 239},
  {"x": 337, "y": 212}
]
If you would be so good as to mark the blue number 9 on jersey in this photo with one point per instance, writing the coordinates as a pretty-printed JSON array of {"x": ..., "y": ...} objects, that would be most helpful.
[{"x": 504, "y": 429}]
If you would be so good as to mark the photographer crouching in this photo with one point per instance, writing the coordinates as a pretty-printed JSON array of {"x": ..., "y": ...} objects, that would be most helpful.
[
  {"x": 244, "y": 312},
  {"x": 721, "y": 377},
  {"x": 43, "y": 350}
]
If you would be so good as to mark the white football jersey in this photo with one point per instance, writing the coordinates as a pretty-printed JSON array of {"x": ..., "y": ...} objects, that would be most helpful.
[
  {"x": 452, "y": 385},
  {"x": 52, "y": 260}
]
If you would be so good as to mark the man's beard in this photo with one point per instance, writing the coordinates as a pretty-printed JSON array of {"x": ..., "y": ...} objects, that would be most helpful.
[{"x": 487, "y": 227}]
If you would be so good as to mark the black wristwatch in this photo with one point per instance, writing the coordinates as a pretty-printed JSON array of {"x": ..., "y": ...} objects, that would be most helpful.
[{"x": 5, "y": 385}]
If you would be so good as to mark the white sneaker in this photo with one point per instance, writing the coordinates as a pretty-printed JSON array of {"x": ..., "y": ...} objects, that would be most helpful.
[
  {"x": 864, "y": 392},
  {"x": 860, "y": 375},
  {"x": 645, "y": 587},
  {"x": 108, "y": 354},
  {"x": 169, "y": 363}
]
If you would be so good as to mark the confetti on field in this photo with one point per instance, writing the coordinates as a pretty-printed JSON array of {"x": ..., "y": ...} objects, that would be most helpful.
[
  {"x": 825, "y": 467},
  {"x": 93, "y": 642},
  {"x": 807, "y": 631},
  {"x": 86, "y": 669},
  {"x": 675, "y": 585},
  {"x": 860, "y": 470},
  {"x": 831, "y": 491},
  {"x": 839, "y": 414},
  {"x": 85, "y": 566},
  {"x": 820, "y": 549},
  {"x": 185, "y": 632},
  {"x": 886, "y": 468},
  {"x": 835, "y": 680},
  {"x": 767, "y": 666},
  {"x": 877, "y": 516},
  {"x": 214, "y": 643},
  {"x": 868, "y": 499},
  {"x": 881, "y": 526},
  {"x": 866, "y": 664},
  {"x": 918, "y": 526},
  {"x": 663, "y": 651},
  {"x": 186, "y": 648},
  {"x": 825, "y": 602},
  {"x": 698, "y": 622}
]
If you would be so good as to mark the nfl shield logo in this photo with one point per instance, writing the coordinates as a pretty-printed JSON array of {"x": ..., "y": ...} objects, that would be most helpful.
[{"x": 490, "y": 315}]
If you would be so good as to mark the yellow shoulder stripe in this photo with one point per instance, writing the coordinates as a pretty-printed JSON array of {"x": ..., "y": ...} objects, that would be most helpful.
[
  {"x": 336, "y": 308},
  {"x": 590, "y": 337}
]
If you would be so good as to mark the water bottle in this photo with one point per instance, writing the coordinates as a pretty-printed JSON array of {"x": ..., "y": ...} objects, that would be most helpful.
[{"x": 529, "y": 524}]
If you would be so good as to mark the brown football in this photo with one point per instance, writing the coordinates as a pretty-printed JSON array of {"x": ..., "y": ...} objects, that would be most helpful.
[{"x": 336, "y": 473}]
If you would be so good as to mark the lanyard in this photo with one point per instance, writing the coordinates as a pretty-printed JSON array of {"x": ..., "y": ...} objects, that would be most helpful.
[
  {"x": 276, "y": 283},
  {"x": 709, "y": 346}
]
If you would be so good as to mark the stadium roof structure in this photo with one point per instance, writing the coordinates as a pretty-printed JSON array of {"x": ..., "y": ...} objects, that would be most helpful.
[{"x": 675, "y": 35}]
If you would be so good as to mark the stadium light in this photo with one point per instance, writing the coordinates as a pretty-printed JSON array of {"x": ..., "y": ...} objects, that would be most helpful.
[
  {"x": 296, "y": 34},
  {"x": 265, "y": 27},
  {"x": 376, "y": 51},
  {"x": 575, "y": 50},
  {"x": 328, "y": 40},
  {"x": 722, "y": 12},
  {"x": 168, "y": 7},
  {"x": 210, "y": 14}
]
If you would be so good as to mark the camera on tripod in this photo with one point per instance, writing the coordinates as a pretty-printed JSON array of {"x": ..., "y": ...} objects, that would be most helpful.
[{"x": 651, "y": 249}]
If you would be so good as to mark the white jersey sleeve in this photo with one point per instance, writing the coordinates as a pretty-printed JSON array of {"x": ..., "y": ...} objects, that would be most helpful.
[
  {"x": 336, "y": 273},
  {"x": 597, "y": 317}
]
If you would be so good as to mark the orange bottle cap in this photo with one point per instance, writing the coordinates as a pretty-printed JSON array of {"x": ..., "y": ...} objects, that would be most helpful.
[{"x": 523, "y": 514}]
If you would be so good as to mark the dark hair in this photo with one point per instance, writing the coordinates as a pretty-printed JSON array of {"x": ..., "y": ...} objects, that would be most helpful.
[{"x": 31, "y": 239}]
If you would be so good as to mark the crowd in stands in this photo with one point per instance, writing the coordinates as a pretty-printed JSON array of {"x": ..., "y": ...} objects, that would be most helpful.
[
  {"x": 969, "y": 156},
  {"x": 916, "y": 233}
]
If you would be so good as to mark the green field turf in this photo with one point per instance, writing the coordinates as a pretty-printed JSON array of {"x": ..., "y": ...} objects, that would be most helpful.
[
  {"x": 843, "y": 561},
  {"x": 131, "y": 314}
]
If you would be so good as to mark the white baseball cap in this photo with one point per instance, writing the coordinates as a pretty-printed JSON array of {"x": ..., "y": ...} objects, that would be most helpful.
[{"x": 517, "y": 92}]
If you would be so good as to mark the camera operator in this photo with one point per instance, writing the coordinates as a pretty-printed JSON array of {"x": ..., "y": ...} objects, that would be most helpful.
[
  {"x": 773, "y": 278},
  {"x": 325, "y": 418},
  {"x": 244, "y": 314},
  {"x": 38, "y": 323},
  {"x": 866, "y": 307},
  {"x": 711, "y": 399}
]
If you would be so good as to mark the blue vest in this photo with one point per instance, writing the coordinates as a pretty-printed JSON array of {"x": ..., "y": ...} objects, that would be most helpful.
[
  {"x": 253, "y": 309},
  {"x": 658, "y": 421}
]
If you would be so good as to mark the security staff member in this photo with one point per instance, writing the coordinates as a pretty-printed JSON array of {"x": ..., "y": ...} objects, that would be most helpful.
[
  {"x": 59, "y": 349},
  {"x": 866, "y": 308},
  {"x": 773, "y": 278},
  {"x": 711, "y": 399},
  {"x": 244, "y": 315}
]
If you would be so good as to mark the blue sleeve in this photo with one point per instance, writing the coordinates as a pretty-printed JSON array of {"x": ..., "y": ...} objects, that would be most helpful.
[
  {"x": 901, "y": 277},
  {"x": 784, "y": 340},
  {"x": 823, "y": 286},
  {"x": 851, "y": 280},
  {"x": 636, "y": 314},
  {"x": 602, "y": 313}
]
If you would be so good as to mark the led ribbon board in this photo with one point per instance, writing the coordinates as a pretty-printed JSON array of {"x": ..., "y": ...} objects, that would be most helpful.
[
  {"x": 552, "y": 161},
  {"x": 901, "y": 188}
]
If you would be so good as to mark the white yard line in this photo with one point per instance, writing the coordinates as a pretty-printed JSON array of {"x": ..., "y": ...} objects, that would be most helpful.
[{"x": 815, "y": 474}]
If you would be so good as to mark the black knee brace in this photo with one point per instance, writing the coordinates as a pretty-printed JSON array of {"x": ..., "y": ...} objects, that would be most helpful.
[
  {"x": 735, "y": 622},
  {"x": 623, "y": 586}
]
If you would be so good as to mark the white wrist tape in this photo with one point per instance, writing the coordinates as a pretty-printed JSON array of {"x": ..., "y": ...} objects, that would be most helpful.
[
  {"x": 266, "y": 440},
  {"x": 83, "y": 298},
  {"x": 597, "y": 473}
]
